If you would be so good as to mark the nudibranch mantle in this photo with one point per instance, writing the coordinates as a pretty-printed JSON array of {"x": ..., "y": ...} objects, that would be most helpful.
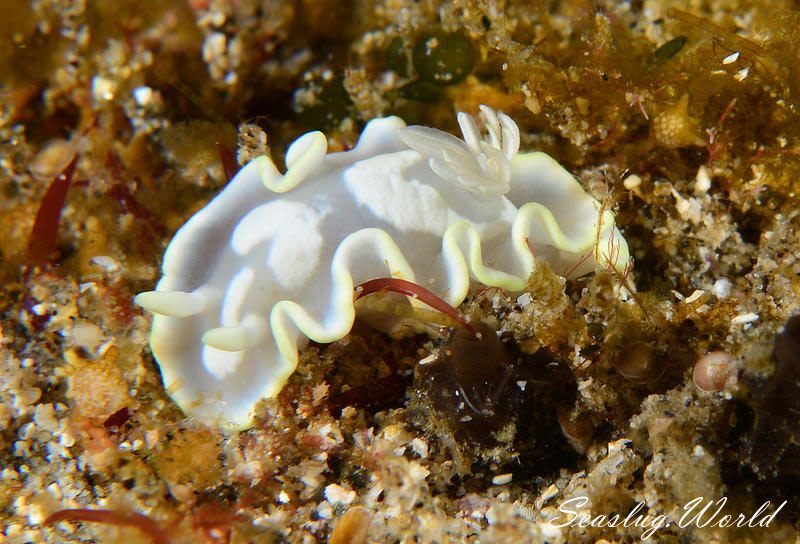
[{"x": 273, "y": 259}]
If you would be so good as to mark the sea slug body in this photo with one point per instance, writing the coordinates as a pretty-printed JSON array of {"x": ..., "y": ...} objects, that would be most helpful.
[{"x": 274, "y": 258}]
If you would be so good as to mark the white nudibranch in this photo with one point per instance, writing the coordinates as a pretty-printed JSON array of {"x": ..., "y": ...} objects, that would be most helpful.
[{"x": 273, "y": 259}]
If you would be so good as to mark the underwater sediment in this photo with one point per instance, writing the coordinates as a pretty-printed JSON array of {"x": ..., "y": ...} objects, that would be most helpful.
[{"x": 672, "y": 380}]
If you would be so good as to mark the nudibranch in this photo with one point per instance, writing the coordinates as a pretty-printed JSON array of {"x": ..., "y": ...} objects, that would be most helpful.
[{"x": 272, "y": 260}]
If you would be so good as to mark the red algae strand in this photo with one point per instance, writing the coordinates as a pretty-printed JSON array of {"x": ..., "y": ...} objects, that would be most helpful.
[
  {"x": 42, "y": 241},
  {"x": 156, "y": 534}
]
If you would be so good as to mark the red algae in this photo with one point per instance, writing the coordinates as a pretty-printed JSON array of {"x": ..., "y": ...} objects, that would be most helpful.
[
  {"x": 43, "y": 237},
  {"x": 411, "y": 289},
  {"x": 152, "y": 529}
]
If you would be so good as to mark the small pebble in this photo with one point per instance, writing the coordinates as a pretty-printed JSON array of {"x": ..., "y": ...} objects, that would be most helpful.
[
  {"x": 632, "y": 182},
  {"x": 578, "y": 429},
  {"x": 713, "y": 370},
  {"x": 637, "y": 363},
  {"x": 51, "y": 160},
  {"x": 352, "y": 528},
  {"x": 502, "y": 479}
]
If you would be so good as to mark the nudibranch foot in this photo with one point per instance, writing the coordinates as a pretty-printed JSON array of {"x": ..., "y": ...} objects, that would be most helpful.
[{"x": 272, "y": 260}]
